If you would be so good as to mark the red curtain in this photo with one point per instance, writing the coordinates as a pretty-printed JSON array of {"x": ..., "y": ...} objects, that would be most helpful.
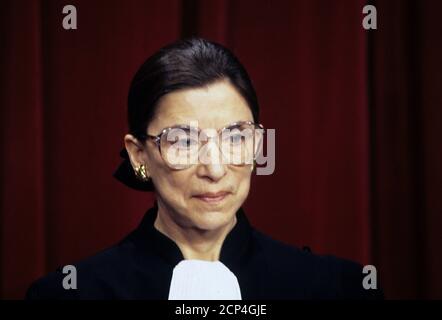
[
  {"x": 405, "y": 71},
  {"x": 356, "y": 113}
]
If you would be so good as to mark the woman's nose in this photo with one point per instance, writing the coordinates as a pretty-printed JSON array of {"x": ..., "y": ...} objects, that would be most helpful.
[{"x": 211, "y": 164}]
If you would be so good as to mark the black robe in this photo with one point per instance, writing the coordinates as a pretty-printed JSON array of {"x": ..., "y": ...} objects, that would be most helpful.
[{"x": 141, "y": 267}]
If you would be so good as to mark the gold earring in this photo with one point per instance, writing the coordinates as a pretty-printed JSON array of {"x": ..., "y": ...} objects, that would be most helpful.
[
  {"x": 252, "y": 167},
  {"x": 141, "y": 174}
]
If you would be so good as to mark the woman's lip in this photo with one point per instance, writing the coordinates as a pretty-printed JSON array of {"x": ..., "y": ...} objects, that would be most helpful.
[{"x": 212, "y": 197}]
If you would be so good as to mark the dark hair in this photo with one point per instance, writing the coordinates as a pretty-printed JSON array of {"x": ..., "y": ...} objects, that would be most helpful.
[{"x": 189, "y": 63}]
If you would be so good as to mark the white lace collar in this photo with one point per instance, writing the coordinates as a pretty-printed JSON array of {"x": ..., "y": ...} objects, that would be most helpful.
[{"x": 203, "y": 280}]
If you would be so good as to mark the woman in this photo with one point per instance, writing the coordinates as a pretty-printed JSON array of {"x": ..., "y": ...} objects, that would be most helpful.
[{"x": 194, "y": 135}]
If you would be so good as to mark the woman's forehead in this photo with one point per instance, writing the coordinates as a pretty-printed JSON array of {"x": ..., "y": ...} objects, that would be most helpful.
[{"x": 214, "y": 106}]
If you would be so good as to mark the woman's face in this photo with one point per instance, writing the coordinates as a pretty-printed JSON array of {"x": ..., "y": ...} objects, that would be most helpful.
[{"x": 179, "y": 192}]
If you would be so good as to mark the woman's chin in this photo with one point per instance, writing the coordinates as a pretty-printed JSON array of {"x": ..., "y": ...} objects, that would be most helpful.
[{"x": 213, "y": 220}]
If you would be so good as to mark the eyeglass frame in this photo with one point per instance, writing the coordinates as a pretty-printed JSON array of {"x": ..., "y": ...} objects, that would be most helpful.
[{"x": 157, "y": 139}]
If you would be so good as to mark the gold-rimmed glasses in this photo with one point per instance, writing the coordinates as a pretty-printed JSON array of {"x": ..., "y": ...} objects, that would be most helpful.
[{"x": 182, "y": 146}]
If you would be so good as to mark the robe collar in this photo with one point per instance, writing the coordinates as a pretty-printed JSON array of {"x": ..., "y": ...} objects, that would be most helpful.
[{"x": 234, "y": 247}]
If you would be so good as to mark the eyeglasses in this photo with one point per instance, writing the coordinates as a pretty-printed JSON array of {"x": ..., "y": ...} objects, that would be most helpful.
[{"x": 182, "y": 146}]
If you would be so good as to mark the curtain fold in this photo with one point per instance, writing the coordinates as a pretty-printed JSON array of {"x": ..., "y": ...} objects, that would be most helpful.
[{"x": 23, "y": 218}]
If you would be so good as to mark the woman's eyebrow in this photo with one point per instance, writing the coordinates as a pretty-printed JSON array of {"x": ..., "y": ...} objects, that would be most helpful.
[
  {"x": 230, "y": 125},
  {"x": 180, "y": 126},
  {"x": 234, "y": 125},
  {"x": 175, "y": 126}
]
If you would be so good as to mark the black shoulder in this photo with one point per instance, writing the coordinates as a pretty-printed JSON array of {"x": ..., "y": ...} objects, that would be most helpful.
[
  {"x": 317, "y": 276},
  {"x": 350, "y": 280},
  {"x": 94, "y": 276},
  {"x": 50, "y": 287}
]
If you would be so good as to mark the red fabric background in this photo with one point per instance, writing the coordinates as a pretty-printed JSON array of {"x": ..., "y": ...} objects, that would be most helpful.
[{"x": 357, "y": 117}]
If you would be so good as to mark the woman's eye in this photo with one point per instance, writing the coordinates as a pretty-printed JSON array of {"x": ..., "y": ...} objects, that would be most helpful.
[
  {"x": 186, "y": 143},
  {"x": 236, "y": 139}
]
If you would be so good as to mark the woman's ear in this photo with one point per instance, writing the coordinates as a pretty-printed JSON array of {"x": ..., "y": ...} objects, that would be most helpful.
[{"x": 136, "y": 150}]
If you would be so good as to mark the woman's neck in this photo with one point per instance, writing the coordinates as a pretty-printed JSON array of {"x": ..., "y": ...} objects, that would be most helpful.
[{"x": 194, "y": 243}]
